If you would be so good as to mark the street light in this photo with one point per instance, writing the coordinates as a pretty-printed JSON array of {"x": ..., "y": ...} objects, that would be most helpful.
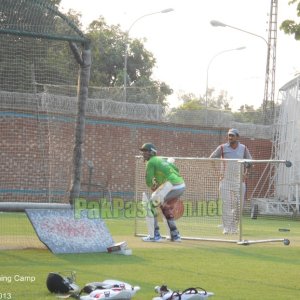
[
  {"x": 269, "y": 73},
  {"x": 126, "y": 46},
  {"x": 207, "y": 70},
  {"x": 218, "y": 23}
]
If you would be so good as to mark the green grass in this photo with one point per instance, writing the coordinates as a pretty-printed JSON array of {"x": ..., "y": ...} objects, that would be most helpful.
[{"x": 259, "y": 271}]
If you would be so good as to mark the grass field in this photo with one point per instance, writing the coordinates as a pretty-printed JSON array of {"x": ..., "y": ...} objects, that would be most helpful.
[{"x": 259, "y": 271}]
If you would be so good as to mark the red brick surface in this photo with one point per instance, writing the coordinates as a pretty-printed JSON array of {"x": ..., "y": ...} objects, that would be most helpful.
[{"x": 36, "y": 155}]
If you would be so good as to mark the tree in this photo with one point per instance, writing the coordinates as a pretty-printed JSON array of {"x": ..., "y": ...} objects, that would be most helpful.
[
  {"x": 192, "y": 102},
  {"x": 196, "y": 106},
  {"x": 40, "y": 57},
  {"x": 290, "y": 26},
  {"x": 23, "y": 57},
  {"x": 247, "y": 114},
  {"x": 221, "y": 101},
  {"x": 196, "y": 110},
  {"x": 108, "y": 50}
]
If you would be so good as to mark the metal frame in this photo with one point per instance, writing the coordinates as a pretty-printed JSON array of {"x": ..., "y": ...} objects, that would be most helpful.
[{"x": 240, "y": 239}]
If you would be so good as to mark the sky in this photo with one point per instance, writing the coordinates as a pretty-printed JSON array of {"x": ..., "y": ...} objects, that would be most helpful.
[{"x": 188, "y": 48}]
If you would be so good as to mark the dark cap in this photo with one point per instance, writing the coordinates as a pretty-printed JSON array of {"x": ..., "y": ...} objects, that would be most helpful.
[{"x": 233, "y": 131}]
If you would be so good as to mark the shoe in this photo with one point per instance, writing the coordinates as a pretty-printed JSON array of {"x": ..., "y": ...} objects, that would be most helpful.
[
  {"x": 156, "y": 239},
  {"x": 176, "y": 238}
]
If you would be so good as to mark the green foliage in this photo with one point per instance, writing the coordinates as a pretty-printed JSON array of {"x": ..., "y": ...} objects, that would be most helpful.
[
  {"x": 247, "y": 114},
  {"x": 25, "y": 60},
  {"x": 290, "y": 26},
  {"x": 221, "y": 102},
  {"x": 193, "y": 104},
  {"x": 150, "y": 91},
  {"x": 212, "y": 101},
  {"x": 108, "y": 44}
]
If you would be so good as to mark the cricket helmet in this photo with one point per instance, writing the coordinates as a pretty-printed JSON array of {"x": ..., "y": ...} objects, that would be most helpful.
[
  {"x": 59, "y": 284},
  {"x": 149, "y": 147}
]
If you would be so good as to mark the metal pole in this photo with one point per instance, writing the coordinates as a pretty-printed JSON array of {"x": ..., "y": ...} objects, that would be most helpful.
[
  {"x": 211, "y": 60},
  {"x": 218, "y": 23},
  {"x": 127, "y": 46},
  {"x": 241, "y": 201}
]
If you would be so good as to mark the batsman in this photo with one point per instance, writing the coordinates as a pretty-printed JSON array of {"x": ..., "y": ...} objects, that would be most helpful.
[{"x": 166, "y": 183}]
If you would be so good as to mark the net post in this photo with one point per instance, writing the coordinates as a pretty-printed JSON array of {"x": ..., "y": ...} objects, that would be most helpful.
[{"x": 241, "y": 202}]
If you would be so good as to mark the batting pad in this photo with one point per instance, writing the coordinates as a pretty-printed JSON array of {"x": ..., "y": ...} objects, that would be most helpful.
[{"x": 62, "y": 233}]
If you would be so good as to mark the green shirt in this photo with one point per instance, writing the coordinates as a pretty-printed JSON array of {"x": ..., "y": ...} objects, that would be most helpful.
[{"x": 159, "y": 170}]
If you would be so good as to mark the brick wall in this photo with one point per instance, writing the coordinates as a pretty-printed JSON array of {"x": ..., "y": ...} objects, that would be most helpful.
[{"x": 36, "y": 153}]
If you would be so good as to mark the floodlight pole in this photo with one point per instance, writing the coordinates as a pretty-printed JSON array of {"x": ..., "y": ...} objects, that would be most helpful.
[{"x": 127, "y": 45}]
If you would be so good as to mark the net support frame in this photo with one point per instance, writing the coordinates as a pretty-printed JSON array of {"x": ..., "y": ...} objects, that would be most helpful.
[{"x": 241, "y": 239}]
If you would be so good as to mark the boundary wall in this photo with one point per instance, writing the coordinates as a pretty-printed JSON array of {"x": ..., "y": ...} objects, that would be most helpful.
[{"x": 110, "y": 148}]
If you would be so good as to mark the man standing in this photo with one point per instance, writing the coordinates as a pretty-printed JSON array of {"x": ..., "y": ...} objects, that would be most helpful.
[
  {"x": 163, "y": 178},
  {"x": 230, "y": 180}
]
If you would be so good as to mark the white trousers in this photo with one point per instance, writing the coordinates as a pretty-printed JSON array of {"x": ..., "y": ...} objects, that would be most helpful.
[{"x": 231, "y": 204}]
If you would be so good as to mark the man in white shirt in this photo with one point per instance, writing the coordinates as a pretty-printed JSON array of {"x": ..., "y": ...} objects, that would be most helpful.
[{"x": 230, "y": 180}]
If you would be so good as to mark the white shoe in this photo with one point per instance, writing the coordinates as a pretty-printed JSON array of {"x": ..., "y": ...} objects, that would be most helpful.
[{"x": 156, "y": 239}]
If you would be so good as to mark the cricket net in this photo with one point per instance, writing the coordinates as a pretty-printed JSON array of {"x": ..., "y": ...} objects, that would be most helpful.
[
  {"x": 218, "y": 206},
  {"x": 40, "y": 141}
]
